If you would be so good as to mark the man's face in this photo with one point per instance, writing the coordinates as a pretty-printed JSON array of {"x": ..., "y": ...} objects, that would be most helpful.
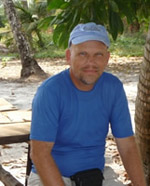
[{"x": 87, "y": 62}]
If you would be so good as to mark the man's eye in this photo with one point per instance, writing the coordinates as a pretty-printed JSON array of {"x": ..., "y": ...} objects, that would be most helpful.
[
  {"x": 82, "y": 53},
  {"x": 99, "y": 54}
]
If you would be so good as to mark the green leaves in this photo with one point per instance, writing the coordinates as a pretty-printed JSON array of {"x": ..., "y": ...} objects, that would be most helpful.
[
  {"x": 56, "y": 4},
  {"x": 64, "y": 24},
  {"x": 44, "y": 24},
  {"x": 64, "y": 21},
  {"x": 115, "y": 22},
  {"x": 110, "y": 13}
]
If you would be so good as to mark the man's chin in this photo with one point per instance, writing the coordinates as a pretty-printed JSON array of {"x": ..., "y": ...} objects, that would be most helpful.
[{"x": 89, "y": 81}]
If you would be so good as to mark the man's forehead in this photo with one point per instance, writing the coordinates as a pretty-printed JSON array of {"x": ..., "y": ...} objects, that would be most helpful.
[{"x": 89, "y": 44}]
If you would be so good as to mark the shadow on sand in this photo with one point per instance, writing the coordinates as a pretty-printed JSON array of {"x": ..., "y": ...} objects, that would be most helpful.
[{"x": 111, "y": 178}]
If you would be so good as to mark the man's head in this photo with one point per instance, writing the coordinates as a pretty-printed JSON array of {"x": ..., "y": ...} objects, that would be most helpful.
[{"x": 87, "y": 54}]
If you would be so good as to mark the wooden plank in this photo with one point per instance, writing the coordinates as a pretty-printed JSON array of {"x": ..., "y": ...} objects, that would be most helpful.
[
  {"x": 14, "y": 133},
  {"x": 17, "y": 116},
  {"x": 4, "y": 119},
  {"x": 5, "y": 105}
]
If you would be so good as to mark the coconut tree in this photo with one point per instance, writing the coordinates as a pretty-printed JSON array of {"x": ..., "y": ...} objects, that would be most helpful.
[
  {"x": 29, "y": 64},
  {"x": 142, "y": 111},
  {"x": 29, "y": 17}
]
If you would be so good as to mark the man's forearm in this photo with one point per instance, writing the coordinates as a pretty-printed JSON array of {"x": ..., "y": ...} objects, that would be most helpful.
[
  {"x": 134, "y": 169},
  {"x": 48, "y": 172},
  {"x": 45, "y": 164},
  {"x": 132, "y": 161}
]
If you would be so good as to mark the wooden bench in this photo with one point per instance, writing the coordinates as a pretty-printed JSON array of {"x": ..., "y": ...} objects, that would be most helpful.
[
  {"x": 14, "y": 123},
  {"x": 14, "y": 133},
  {"x": 14, "y": 128}
]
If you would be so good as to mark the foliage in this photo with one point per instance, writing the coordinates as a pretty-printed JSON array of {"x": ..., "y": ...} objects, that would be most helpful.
[
  {"x": 128, "y": 45},
  {"x": 110, "y": 13},
  {"x": 60, "y": 16},
  {"x": 6, "y": 36},
  {"x": 1, "y": 22},
  {"x": 50, "y": 50},
  {"x": 125, "y": 45},
  {"x": 2, "y": 18},
  {"x": 5, "y": 31},
  {"x": 30, "y": 17},
  {"x": 142, "y": 9},
  {"x": 10, "y": 56}
]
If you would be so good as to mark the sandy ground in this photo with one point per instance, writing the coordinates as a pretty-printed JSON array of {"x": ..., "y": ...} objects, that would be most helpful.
[{"x": 20, "y": 94}]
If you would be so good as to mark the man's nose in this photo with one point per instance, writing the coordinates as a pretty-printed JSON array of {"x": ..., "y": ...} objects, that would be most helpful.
[{"x": 91, "y": 60}]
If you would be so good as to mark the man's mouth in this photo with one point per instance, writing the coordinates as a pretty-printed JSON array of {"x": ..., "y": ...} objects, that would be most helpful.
[{"x": 90, "y": 70}]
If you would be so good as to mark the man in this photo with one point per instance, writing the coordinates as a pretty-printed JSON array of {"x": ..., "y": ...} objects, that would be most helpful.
[{"x": 71, "y": 115}]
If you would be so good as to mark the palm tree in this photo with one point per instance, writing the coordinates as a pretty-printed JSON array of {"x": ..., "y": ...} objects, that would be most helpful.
[
  {"x": 30, "y": 17},
  {"x": 29, "y": 64},
  {"x": 142, "y": 111}
]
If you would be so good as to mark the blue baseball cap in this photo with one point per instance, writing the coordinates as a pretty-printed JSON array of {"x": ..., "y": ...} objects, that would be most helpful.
[{"x": 87, "y": 32}]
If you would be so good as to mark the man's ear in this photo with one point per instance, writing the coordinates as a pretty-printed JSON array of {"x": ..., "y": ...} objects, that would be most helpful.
[
  {"x": 68, "y": 56},
  {"x": 108, "y": 57}
]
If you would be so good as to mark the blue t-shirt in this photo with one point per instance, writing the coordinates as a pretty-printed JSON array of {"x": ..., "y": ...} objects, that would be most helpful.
[{"x": 78, "y": 121}]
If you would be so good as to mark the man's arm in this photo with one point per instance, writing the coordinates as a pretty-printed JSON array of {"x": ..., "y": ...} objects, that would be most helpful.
[
  {"x": 131, "y": 159},
  {"x": 45, "y": 164}
]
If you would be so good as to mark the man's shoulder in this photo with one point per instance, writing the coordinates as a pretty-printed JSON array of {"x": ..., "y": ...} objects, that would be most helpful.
[
  {"x": 54, "y": 86},
  {"x": 55, "y": 80},
  {"x": 110, "y": 78}
]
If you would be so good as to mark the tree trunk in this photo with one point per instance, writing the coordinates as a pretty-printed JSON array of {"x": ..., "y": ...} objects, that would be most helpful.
[
  {"x": 8, "y": 179},
  {"x": 142, "y": 110},
  {"x": 29, "y": 64}
]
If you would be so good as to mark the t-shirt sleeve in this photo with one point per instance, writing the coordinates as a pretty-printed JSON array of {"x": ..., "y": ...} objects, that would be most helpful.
[
  {"x": 45, "y": 115},
  {"x": 120, "y": 119}
]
